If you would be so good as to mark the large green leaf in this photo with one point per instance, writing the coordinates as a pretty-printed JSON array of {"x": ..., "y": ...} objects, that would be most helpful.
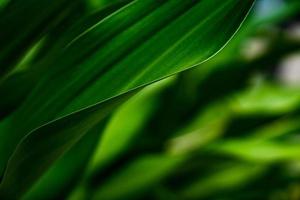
[
  {"x": 59, "y": 180},
  {"x": 22, "y": 81},
  {"x": 45, "y": 145},
  {"x": 142, "y": 42}
]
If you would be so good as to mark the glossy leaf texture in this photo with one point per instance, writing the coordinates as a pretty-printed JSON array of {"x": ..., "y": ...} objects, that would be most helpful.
[
  {"x": 140, "y": 43},
  {"x": 23, "y": 80}
]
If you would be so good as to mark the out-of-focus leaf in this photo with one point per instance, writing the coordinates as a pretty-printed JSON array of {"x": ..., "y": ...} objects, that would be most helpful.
[
  {"x": 20, "y": 26},
  {"x": 281, "y": 13},
  {"x": 277, "y": 129},
  {"x": 259, "y": 151},
  {"x": 3, "y": 3},
  {"x": 98, "y": 4},
  {"x": 230, "y": 178},
  {"x": 137, "y": 177},
  {"x": 122, "y": 131},
  {"x": 267, "y": 99},
  {"x": 8, "y": 103},
  {"x": 205, "y": 128},
  {"x": 126, "y": 123}
]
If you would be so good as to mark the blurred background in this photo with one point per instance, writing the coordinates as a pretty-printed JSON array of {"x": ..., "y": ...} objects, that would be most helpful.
[{"x": 228, "y": 129}]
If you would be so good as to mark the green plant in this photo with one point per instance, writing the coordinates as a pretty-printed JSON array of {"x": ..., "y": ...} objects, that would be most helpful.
[{"x": 81, "y": 116}]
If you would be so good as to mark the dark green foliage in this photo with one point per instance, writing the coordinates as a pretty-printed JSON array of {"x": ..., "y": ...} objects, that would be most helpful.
[{"x": 93, "y": 105}]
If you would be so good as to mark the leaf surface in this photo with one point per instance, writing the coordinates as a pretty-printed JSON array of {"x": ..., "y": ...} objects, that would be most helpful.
[{"x": 140, "y": 43}]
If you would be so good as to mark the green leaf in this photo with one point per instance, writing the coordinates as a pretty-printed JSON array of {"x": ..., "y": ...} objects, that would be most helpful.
[
  {"x": 141, "y": 43},
  {"x": 229, "y": 178},
  {"x": 20, "y": 26},
  {"x": 138, "y": 177},
  {"x": 42, "y": 147},
  {"x": 266, "y": 99},
  {"x": 22, "y": 81},
  {"x": 126, "y": 124},
  {"x": 57, "y": 182},
  {"x": 3, "y": 3},
  {"x": 259, "y": 151},
  {"x": 204, "y": 129}
]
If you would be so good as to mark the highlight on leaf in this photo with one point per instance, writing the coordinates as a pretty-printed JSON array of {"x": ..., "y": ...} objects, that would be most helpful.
[{"x": 149, "y": 99}]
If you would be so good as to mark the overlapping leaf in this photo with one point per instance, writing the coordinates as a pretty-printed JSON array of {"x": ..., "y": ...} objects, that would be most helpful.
[
  {"x": 116, "y": 55},
  {"x": 20, "y": 26}
]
